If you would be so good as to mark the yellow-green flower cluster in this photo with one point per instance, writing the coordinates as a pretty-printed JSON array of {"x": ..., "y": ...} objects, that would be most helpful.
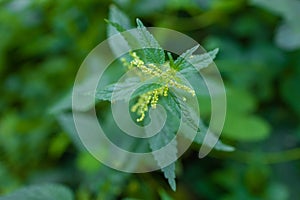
[
  {"x": 167, "y": 77},
  {"x": 149, "y": 98}
]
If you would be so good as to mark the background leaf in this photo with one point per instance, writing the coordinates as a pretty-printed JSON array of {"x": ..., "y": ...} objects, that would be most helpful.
[
  {"x": 117, "y": 17},
  {"x": 42, "y": 192}
]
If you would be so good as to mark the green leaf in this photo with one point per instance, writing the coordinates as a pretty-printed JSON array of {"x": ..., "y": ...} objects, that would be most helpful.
[
  {"x": 122, "y": 90},
  {"x": 66, "y": 121},
  {"x": 278, "y": 191},
  {"x": 197, "y": 62},
  {"x": 171, "y": 60},
  {"x": 88, "y": 163},
  {"x": 41, "y": 192},
  {"x": 62, "y": 105},
  {"x": 164, "y": 196},
  {"x": 188, "y": 111},
  {"x": 288, "y": 37},
  {"x": 129, "y": 38},
  {"x": 182, "y": 58},
  {"x": 58, "y": 145},
  {"x": 201, "y": 135},
  {"x": 144, "y": 89},
  {"x": 169, "y": 173},
  {"x": 152, "y": 50},
  {"x": 119, "y": 21},
  {"x": 291, "y": 83},
  {"x": 117, "y": 27},
  {"x": 245, "y": 127},
  {"x": 240, "y": 101},
  {"x": 189, "y": 115},
  {"x": 173, "y": 106},
  {"x": 163, "y": 138},
  {"x": 287, "y": 8}
]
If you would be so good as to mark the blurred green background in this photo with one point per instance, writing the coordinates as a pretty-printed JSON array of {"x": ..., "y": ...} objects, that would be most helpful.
[{"x": 43, "y": 42}]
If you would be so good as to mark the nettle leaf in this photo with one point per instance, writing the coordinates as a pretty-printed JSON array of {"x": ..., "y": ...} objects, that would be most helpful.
[
  {"x": 41, "y": 192},
  {"x": 169, "y": 173},
  {"x": 117, "y": 44},
  {"x": 203, "y": 60},
  {"x": 160, "y": 140},
  {"x": 123, "y": 90},
  {"x": 190, "y": 116},
  {"x": 189, "y": 113},
  {"x": 197, "y": 62},
  {"x": 117, "y": 28},
  {"x": 182, "y": 58},
  {"x": 153, "y": 52},
  {"x": 119, "y": 21},
  {"x": 180, "y": 107},
  {"x": 171, "y": 60},
  {"x": 172, "y": 105}
]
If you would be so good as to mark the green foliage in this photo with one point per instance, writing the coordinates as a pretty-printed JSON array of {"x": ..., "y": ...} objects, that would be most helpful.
[
  {"x": 240, "y": 124},
  {"x": 41, "y": 192},
  {"x": 44, "y": 42},
  {"x": 288, "y": 33},
  {"x": 183, "y": 57},
  {"x": 118, "y": 20},
  {"x": 122, "y": 91},
  {"x": 246, "y": 128},
  {"x": 291, "y": 84}
]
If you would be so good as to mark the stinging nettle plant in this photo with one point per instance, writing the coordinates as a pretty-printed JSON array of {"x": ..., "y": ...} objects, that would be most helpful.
[{"x": 153, "y": 63}]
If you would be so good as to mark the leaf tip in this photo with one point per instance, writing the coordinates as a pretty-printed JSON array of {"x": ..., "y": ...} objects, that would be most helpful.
[
  {"x": 196, "y": 47},
  {"x": 113, "y": 7},
  {"x": 214, "y": 53},
  {"x": 139, "y": 22},
  {"x": 216, "y": 50},
  {"x": 172, "y": 183}
]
